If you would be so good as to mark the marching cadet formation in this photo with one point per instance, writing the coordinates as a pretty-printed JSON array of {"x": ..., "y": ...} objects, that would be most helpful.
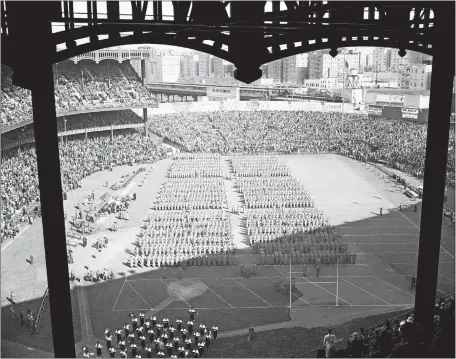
[
  {"x": 281, "y": 221},
  {"x": 257, "y": 166},
  {"x": 267, "y": 224},
  {"x": 273, "y": 192},
  {"x": 147, "y": 336},
  {"x": 177, "y": 233},
  {"x": 192, "y": 193},
  {"x": 209, "y": 166}
]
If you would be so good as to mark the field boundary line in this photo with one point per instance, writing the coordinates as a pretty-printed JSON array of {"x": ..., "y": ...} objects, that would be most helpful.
[
  {"x": 140, "y": 296},
  {"x": 214, "y": 292},
  {"x": 281, "y": 286},
  {"x": 380, "y": 234},
  {"x": 377, "y": 227},
  {"x": 391, "y": 285},
  {"x": 328, "y": 291},
  {"x": 402, "y": 214},
  {"x": 251, "y": 291},
  {"x": 120, "y": 292},
  {"x": 366, "y": 291},
  {"x": 172, "y": 290}
]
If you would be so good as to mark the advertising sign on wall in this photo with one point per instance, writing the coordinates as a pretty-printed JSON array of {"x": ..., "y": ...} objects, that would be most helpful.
[
  {"x": 410, "y": 113},
  {"x": 382, "y": 98},
  {"x": 397, "y": 99},
  {"x": 328, "y": 106},
  {"x": 374, "y": 111}
]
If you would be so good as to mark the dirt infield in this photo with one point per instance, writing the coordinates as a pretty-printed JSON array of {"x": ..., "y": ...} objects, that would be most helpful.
[{"x": 351, "y": 195}]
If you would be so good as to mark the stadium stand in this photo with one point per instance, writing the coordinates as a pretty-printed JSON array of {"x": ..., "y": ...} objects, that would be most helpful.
[
  {"x": 81, "y": 86},
  {"x": 398, "y": 337},
  {"x": 79, "y": 158},
  {"x": 400, "y": 144}
]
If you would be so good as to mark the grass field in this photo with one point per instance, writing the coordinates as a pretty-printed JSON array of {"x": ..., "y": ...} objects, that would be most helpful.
[{"x": 350, "y": 195}]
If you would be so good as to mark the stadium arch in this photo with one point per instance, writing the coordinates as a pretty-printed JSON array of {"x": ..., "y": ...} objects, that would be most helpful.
[{"x": 253, "y": 31}]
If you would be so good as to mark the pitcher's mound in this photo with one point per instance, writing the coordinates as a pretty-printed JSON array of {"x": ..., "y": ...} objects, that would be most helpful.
[{"x": 186, "y": 289}]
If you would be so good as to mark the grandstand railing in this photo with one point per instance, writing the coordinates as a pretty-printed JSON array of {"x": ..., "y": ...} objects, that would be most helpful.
[
  {"x": 6, "y": 128},
  {"x": 39, "y": 316},
  {"x": 31, "y": 139},
  {"x": 341, "y": 343}
]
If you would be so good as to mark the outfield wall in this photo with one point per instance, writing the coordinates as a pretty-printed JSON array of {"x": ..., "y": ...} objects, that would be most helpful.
[
  {"x": 399, "y": 113},
  {"x": 232, "y": 105}
]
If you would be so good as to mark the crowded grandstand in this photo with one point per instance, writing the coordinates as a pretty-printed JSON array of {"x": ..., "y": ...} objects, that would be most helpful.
[{"x": 189, "y": 225}]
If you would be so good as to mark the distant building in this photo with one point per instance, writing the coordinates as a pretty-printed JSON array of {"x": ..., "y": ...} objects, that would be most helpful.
[
  {"x": 228, "y": 70},
  {"x": 410, "y": 58},
  {"x": 381, "y": 59},
  {"x": 415, "y": 77},
  {"x": 289, "y": 70},
  {"x": 203, "y": 65},
  {"x": 166, "y": 68},
  {"x": 315, "y": 69},
  {"x": 148, "y": 69},
  {"x": 188, "y": 66},
  {"x": 218, "y": 68},
  {"x": 275, "y": 71},
  {"x": 331, "y": 83}
]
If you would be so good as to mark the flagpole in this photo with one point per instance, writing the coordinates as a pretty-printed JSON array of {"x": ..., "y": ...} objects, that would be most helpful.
[
  {"x": 337, "y": 285},
  {"x": 290, "y": 283}
]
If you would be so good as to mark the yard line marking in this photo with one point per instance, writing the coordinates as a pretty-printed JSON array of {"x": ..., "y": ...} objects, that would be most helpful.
[
  {"x": 308, "y": 282},
  {"x": 121, "y": 289},
  {"x": 253, "y": 293},
  {"x": 373, "y": 295},
  {"x": 378, "y": 227},
  {"x": 402, "y": 214},
  {"x": 379, "y": 219},
  {"x": 387, "y": 253},
  {"x": 281, "y": 286},
  {"x": 328, "y": 291},
  {"x": 380, "y": 234},
  {"x": 145, "y": 301},
  {"x": 447, "y": 278},
  {"x": 315, "y": 285},
  {"x": 172, "y": 290},
  {"x": 452, "y": 256},
  {"x": 401, "y": 243},
  {"x": 284, "y": 306},
  {"x": 214, "y": 293},
  {"x": 403, "y": 291}
]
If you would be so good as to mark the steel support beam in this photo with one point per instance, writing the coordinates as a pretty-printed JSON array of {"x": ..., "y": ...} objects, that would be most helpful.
[
  {"x": 146, "y": 132},
  {"x": 46, "y": 144},
  {"x": 435, "y": 168}
]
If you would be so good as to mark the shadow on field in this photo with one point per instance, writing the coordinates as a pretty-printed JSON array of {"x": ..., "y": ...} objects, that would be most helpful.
[{"x": 109, "y": 303}]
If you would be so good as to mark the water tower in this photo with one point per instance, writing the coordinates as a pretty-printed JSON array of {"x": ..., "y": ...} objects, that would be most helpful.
[
  {"x": 352, "y": 79},
  {"x": 353, "y": 91}
]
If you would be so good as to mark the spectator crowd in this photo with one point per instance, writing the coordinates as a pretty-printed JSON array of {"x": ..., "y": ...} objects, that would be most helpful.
[
  {"x": 401, "y": 143},
  {"x": 78, "y": 159},
  {"x": 401, "y": 337},
  {"x": 78, "y": 87}
]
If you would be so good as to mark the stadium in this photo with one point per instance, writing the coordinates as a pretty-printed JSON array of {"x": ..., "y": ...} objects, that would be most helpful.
[{"x": 253, "y": 225}]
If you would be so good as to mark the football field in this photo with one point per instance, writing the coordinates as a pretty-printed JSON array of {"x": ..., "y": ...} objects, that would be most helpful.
[{"x": 351, "y": 195}]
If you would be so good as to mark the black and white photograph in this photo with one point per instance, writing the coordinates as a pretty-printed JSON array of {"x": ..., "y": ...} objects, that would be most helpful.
[{"x": 227, "y": 179}]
